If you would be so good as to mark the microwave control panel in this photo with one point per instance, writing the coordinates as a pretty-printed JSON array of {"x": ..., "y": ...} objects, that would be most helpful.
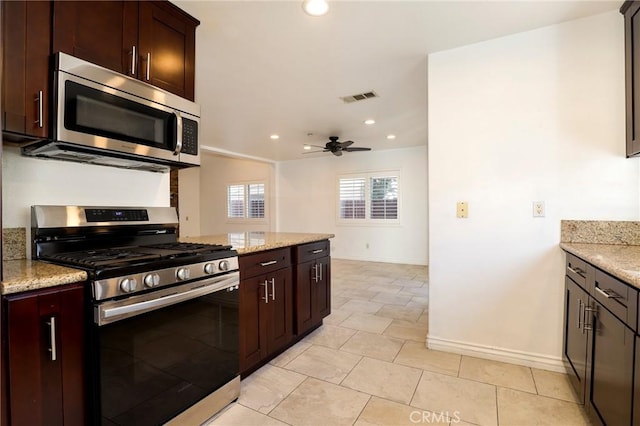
[{"x": 189, "y": 137}]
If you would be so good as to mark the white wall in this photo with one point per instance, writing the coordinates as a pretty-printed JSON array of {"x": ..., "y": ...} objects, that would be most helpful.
[
  {"x": 533, "y": 116},
  {"x": 189, "y": 201},
  {"x": 307, "y": 203},
  {"x": 29, "y": 181},
  {"x": 216, "y": 173}
]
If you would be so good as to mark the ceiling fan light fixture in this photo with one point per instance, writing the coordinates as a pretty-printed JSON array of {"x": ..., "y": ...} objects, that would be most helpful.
[{"x": 315, "y": 7}]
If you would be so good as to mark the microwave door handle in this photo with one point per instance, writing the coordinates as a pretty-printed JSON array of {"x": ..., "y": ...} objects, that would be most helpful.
[{"x": 178, "y": 133}]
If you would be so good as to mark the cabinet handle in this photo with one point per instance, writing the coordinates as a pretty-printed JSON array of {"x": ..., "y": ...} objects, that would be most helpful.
[
  {"x": 40, "y": 101},
  {"x": 579, "y": 313},
  {"x": 52, "y": 334},
  {"x": 577, "y": 271},
  {"x": 317, "y": 251},
  {"x": 271, "y": 262},
  {"x": 320, "y": 268},
  {"x": 133, "y": 60},
  {"x": 266, "y": 292},
  {"x": 608, "y": 293},
  {"x": 588, "y": 327},
  {"x": 273, "y": 289},
  {"x": 314, "y": 268},
  {"x": 148, "y": 65}
]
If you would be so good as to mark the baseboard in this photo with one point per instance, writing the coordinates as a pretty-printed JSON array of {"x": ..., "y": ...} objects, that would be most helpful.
[{"x": 527, "y": 359}]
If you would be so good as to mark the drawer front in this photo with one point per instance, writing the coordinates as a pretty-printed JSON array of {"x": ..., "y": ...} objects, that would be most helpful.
[
  {"x": 577, "y": 270},
  {"x": 306, "y": 252},
  {"x": 617, "y": 297},
  {"x": 264, "y": 262}
]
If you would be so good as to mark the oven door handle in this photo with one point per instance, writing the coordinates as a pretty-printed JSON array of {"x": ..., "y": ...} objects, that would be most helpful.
[{"x": 110, "y": 313}]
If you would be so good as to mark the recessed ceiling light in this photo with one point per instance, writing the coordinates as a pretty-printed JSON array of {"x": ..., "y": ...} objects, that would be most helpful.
[
  {"x": 369, "y": 121},
  {"x": 274, "y": 137},
  {"x": 307, "y": 147},
  {"x": 315, "y": 7},
  {"x": 391, "y": 137}
]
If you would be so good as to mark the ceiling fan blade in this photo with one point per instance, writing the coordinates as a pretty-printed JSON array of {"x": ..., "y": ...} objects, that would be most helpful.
[
  {"x": 356, "y": 149},
  {"x": 337, "y": 153},
  {"x": 311, "y": 152},
  {"x": 346, "y": 144}
]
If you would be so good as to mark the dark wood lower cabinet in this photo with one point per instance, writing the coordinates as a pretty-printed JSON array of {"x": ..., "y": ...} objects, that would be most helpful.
[
  {"x": 600, "y": 346},
  {"x": 612, "y": 380},
  {"x": 576, "y": 337},
  {"x": 266, "y": 316},
  {"x": 313, "y": 293},
  {"x": 44, "y": 334}
]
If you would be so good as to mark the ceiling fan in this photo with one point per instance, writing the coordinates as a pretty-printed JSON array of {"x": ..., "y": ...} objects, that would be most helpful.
[{"x": 336, "y": 148}]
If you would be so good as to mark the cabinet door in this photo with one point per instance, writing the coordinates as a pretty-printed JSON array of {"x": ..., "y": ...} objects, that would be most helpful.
[
  {"x": 322, "y": 299},
  {"x": 46, "y": 357},
  {"x": 632, "y": 77},
  {"x": 280, "y": 307},
  {"x": 101, "y": 32},
  {"x": 253, "y": 322},
  {"x": 612, "y": 380},
  {"x": 575, "y": 336},
  {"x": 26, "y": 35},
  {"x": 167, "y": 47},
  {"x": 305, "y": 288}
]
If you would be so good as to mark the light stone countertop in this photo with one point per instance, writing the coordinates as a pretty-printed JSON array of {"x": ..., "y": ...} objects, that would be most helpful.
[
  {"x": 621, "y": 261},
  {"x": 253, "y": 242},
  {"x": 25, "y": 274}
]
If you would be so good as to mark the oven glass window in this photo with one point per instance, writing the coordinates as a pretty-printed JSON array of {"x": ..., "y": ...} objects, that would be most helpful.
[
  {"x": 155, "y": 365},
  {"x": 92, "y": 111}
]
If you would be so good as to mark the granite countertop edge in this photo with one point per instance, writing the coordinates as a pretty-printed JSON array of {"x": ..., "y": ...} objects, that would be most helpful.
[
  {"x": 621, "y": 261},
  {"x": 272, "y": 240},
  {"x": 26, "y": 275}
]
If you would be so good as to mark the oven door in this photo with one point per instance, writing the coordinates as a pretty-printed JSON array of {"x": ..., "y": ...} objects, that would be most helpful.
[{"x": 157, "y": 354}]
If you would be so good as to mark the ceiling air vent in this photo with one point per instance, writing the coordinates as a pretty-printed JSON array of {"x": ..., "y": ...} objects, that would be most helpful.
[{"x": 359, "y": 97}]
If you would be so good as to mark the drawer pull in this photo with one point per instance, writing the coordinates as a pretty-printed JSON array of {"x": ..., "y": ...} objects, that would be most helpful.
[
  {"x": 576, "y": 271},
  {"x": 609, "y": 294},
  {"x": 271, "y": 262},
  {"x": 317, "y": 251}
]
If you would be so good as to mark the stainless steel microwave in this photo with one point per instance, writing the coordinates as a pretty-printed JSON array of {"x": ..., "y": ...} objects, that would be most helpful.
[{"x": 103, "y": 117}]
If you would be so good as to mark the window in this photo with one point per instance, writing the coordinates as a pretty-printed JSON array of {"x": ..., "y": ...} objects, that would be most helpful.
[
  {"x": 368, "y": 198},
  {"x": 246, "y": 201}
]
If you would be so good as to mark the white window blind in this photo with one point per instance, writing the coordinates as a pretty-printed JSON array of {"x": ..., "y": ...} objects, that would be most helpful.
[
  {"x": 352, "y": 198},
  {"x": 235, "y": 201},
  {"x": 384, "y": 197},
  {"x": 256, "y": 200}
]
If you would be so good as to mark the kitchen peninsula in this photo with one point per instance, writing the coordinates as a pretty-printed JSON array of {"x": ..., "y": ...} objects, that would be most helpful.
[{"x": 285, "y": 289}]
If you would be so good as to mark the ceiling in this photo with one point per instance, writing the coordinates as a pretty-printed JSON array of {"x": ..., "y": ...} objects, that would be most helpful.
[{"x": 265, "y": 67}]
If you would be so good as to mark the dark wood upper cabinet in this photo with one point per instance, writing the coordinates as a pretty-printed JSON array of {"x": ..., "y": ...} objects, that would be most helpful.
[
  {"x": 167, "y": 47},
  {"x": 153, "y": 41},
  {"x": 102, "y": 32},
  {"x": 26, "y": 48},
  {"x": 632, "y": 75}
]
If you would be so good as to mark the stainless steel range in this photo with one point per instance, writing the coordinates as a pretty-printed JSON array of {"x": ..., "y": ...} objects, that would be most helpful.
[{"x": 163, "y": 314}]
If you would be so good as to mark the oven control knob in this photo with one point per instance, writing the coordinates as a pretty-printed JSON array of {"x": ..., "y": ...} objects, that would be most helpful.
[
  {"x": 182, "y": 274},
  {"x": 152, "y": 280},
  {"x": 128, "y": 285},
  {"x": 223, "y": 265},
  {"x": 209, "y": 268}
]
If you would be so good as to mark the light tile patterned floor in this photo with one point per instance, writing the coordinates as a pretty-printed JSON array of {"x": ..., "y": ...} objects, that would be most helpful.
[{"x": 368, "y": 365}]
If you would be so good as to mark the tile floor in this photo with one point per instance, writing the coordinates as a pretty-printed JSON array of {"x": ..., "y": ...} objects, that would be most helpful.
[{"x": 368, "y": 365}]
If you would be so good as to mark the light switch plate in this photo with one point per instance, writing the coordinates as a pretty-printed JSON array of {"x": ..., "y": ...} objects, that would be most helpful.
[{"x": 462, "y": 209}]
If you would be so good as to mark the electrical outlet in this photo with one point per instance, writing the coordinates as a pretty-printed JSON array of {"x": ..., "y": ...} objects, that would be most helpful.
[
  {"x": 462, "y": 209},
  {"x": 366, "y": 245},
  {"x": 538, "y": 209}
]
